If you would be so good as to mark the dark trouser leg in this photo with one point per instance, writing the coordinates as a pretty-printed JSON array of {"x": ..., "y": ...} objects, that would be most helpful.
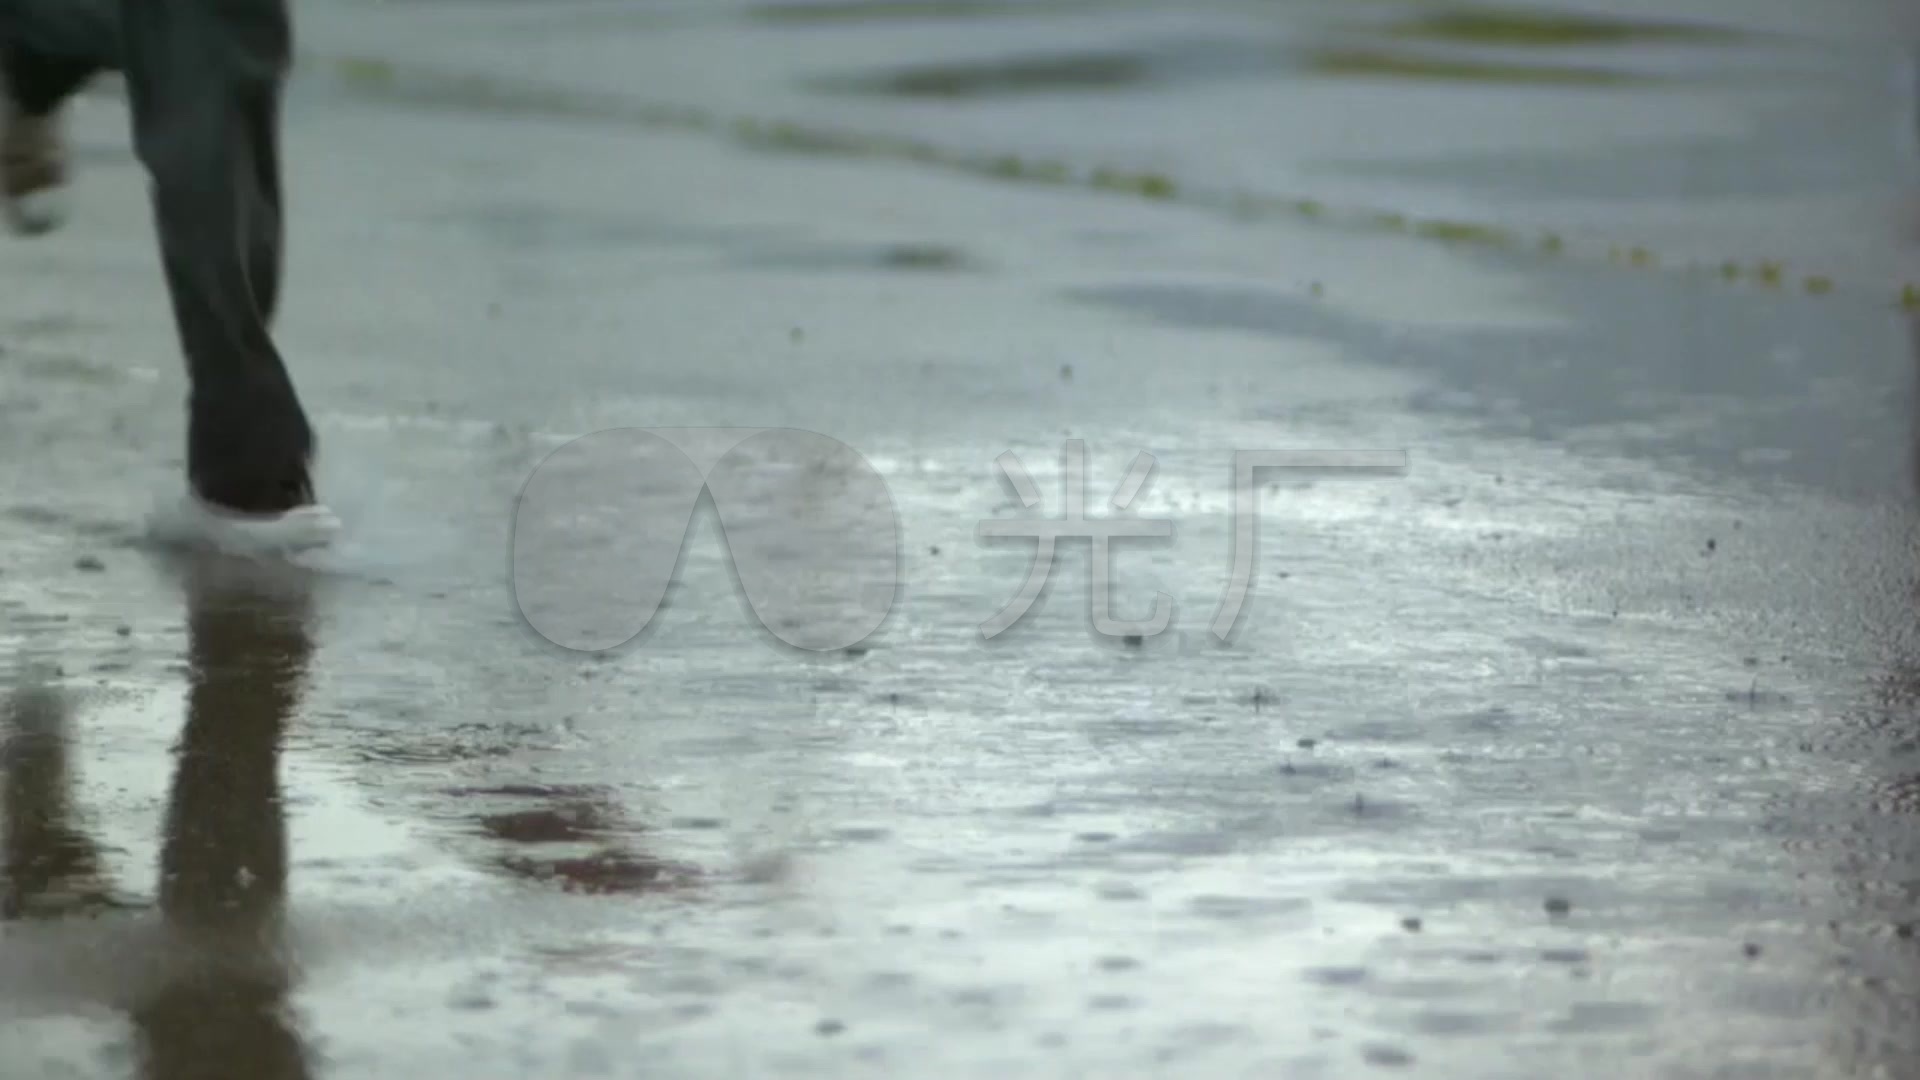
[
  {"x": 221, "y": 1011},
  {"x": 204, "y": 78},
  {"x": 39, "y": 83},
  {"x": 50, "y": 48}
]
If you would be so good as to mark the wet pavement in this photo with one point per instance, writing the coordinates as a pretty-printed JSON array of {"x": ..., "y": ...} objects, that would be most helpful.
[{"x": 1588, "y": 746}]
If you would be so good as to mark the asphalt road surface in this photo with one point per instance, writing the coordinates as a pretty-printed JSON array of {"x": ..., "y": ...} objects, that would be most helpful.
[{"x": 1587, "y": 744}]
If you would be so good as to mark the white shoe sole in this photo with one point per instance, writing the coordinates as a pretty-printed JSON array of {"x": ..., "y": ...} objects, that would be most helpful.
[
  {"x": 193, "y": 523},
  {"x": 37, "y": 212}
]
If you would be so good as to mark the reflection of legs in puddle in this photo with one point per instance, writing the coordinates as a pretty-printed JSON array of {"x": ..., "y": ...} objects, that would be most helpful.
[
  {"x": 48, "y": 867},
  {"x": 220, "y": 1010}
]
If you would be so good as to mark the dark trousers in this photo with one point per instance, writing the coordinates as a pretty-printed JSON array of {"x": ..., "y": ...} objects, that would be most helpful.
[{"x": 204, "y": 78}]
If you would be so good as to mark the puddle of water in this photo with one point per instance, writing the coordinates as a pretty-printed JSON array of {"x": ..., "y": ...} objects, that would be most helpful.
[
  {"x": 1380, "y": 63},
  {"x": 1535, "y": 28},
  {"x": 1040, "y": 74}
]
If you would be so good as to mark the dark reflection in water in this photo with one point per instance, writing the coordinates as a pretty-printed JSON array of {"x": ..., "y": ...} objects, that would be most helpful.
[
  {"x": 217, "y": 1005},
  {"x": 48, "y": 867},
  {"x": 223, "y": 862},
  {"x": 574, "y": 837}
]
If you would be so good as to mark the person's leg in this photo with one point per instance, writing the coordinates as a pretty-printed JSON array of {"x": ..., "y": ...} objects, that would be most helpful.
[
  {"x": 204, "y": 78},
  {"x": 48, "y": 50}
]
